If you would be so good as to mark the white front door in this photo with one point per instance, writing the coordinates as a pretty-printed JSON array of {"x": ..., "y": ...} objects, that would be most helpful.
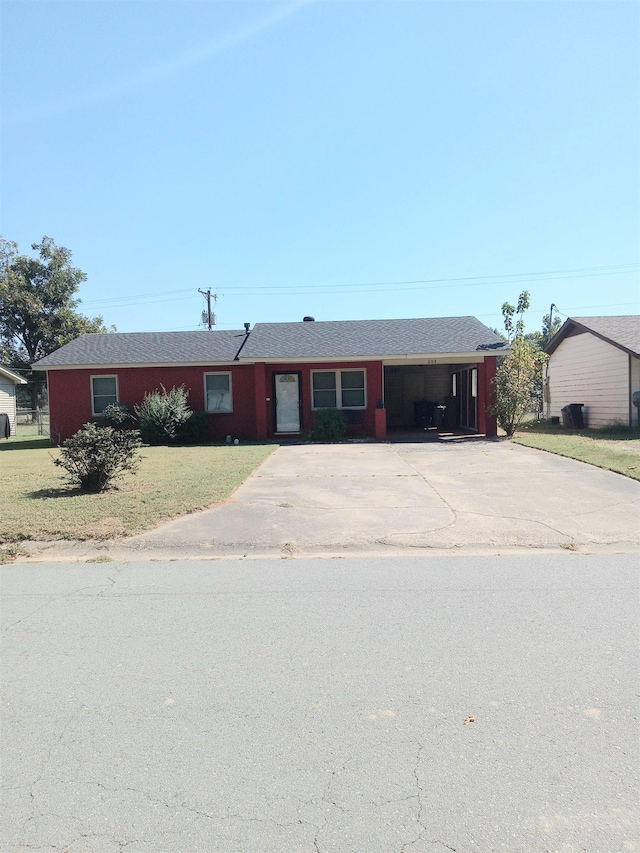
[{"x": 287, "y": 402}]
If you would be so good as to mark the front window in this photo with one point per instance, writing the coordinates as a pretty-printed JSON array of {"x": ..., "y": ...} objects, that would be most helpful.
[
  {"x": 341, "y": 389},
  {"x": 324, "y": 390},
  {"x": 218, "y": 392},
  {"x": 104, "y": 392},
  {"x": 352, "y": 382}
]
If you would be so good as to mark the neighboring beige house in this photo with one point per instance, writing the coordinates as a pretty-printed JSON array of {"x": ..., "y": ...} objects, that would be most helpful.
[
  {"x": 8, "y": 382},
  {"x": 596, "y": 361}
]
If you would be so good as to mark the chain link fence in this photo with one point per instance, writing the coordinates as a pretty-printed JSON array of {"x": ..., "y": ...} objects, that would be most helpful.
[{"x": 32, "y": 422}]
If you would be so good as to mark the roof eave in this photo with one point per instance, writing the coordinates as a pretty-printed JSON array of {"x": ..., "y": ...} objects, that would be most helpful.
[
  {"x": 467, "y": 355},
  {"x": 133, "y": 365},
  {"x": 15, "y": 378}
]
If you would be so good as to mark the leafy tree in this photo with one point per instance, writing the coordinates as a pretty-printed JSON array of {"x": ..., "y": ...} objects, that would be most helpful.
[
  {"x": 541, "y": 339},
  {"x": 38, "y": 306},
  {"x": 519, "y": 374}
]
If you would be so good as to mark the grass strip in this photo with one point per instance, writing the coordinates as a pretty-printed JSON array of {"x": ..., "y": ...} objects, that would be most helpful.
[{"x": 612, "y": 449}]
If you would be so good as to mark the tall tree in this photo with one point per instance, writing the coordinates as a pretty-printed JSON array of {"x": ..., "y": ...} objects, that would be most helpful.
[
  {"x": 38, "y": 305},
  {"x": 519, "y": 374}
]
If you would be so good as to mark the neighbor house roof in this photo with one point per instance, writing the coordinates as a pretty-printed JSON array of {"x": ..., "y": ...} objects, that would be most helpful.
[
  {"x": 353, "y": 338},
  {"x": 124, "y": 348},
  {"x": 621, "y": 331},
  {"x": 303, "y": 340},
  {"x": 14, "y": 377}
]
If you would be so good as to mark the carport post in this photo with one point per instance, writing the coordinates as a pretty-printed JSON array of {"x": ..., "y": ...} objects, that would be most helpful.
[{"x": 487, "y": 423}]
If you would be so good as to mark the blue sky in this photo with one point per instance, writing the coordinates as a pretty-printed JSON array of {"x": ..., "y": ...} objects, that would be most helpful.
[{"x": 341, "y": 159}]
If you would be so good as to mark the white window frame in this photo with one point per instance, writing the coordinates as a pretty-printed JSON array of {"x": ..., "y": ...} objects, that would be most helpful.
[
  {"x": 338, "y": 373},
  {"x": 204, "y": 380},
  {"x": 93, "y": 396}
]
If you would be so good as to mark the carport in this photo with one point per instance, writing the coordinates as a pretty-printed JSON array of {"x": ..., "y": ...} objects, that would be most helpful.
[{"x": 437, "y": 395}]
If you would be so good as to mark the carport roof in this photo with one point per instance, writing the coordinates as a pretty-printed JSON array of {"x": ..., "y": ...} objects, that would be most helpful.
[{"x": 369, "y": 338}]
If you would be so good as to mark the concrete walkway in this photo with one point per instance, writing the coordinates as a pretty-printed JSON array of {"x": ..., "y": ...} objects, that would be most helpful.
[{"x": 353, "y": 499}]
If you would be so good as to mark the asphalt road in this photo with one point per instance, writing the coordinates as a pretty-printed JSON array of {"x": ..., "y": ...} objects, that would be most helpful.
[{"x": 281, "y": 706}]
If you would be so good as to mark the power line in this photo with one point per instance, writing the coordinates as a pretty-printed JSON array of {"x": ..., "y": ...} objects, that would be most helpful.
[
  {"x": 237, "y": 324},
  {"x": 605, "y": 270},
  {"x": 382, "y": 287},
  {"x": 395, "y": 289}
]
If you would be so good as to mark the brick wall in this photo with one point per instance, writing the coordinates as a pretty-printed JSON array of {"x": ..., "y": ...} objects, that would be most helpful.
[
  {"x": 70, "y": 396},
  {"x": 373, "y": 373}
]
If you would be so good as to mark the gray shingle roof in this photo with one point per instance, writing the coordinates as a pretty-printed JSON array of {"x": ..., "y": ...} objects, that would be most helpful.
[
  {"x": 147, "y": 348},
  {"x": 352, "y": 338},
  {"x": 622, "y": 331},
  {"x": 333, "y": 339}
]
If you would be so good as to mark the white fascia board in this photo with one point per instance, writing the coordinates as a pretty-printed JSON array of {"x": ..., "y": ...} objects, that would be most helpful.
[
  {"x": 135, "y": 365},
  {"x": 14, "y": 377},
  {"x": 410, "y": 358},
  {"x": 436, "y": 358}
]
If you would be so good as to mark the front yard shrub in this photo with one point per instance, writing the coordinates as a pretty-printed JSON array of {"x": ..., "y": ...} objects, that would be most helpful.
[
  {"x": 330, "y": 425},
  {"x": 162, "y": 414},
  {"x": 119, "y": 416},
  {"x": 194, "y": 430},
  {"x": 96, "y": 456}
]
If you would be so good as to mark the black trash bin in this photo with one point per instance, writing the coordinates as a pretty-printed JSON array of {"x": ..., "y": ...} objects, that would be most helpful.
[
  {"x": 572, "y": 416},
  {"x": 575, "y": 410},
  {"x": 423, "y": 412}
]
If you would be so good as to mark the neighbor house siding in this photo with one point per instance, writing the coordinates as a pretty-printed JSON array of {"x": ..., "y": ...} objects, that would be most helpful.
[
  {"x": 586, "y": 369},
  {"x": 8, "y": 401},
  {"x": 70, "y": 395},
  {"x": 634, "y": 361}
]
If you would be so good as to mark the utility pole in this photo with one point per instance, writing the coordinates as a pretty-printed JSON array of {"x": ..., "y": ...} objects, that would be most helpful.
[
  {"x": 210, "y": 316},
  {"x": 551, "y": 319},
  {"x": 546, "y": 391}
]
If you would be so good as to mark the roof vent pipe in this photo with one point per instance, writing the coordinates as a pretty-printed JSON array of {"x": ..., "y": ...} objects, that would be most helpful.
[
  {"x": 308, "y": 319},
  {"x": 247, "y": 326}
]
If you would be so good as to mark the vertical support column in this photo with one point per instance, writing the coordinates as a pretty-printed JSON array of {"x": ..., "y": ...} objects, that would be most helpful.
[
  {"x": 260, "y": 374},
  {"x": 487, "y": 423},
  {"x": 381, "y": 424}
]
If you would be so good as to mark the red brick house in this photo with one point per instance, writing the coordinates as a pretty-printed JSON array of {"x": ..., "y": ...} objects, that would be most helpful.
[{"x": 268, "y": 382}]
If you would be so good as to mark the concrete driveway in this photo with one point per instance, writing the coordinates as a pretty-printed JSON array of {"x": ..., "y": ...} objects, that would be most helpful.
[{"x": 466, "y": 497}]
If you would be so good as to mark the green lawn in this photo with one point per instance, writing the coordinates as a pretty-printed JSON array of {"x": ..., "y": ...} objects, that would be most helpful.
[
  {"x": 172, "y": 481},
  {"x": 614, "y": 448}
]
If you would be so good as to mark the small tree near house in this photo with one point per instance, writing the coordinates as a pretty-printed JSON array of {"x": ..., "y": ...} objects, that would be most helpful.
[{"x": 518, "y": 374}]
